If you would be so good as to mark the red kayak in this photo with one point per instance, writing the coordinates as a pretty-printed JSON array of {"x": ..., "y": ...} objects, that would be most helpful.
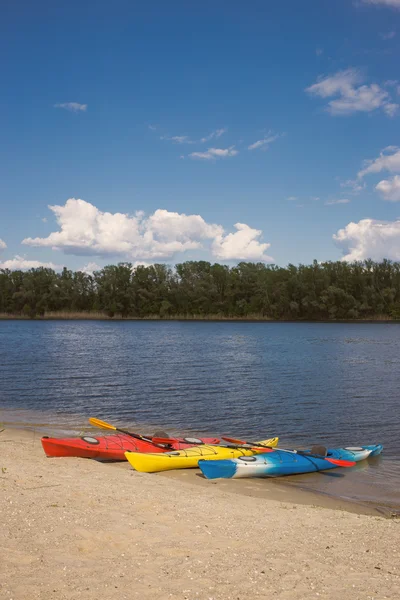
[{"x": 112, "y": 447}]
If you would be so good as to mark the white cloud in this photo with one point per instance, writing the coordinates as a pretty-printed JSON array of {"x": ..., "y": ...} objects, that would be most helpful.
[
  {"x": 319, "y": 51},
  {"x": 141, "y": 263},
  {"x": 85, "y": 230},
  {"x": 243, "y": 244},
  {"x": 90, "y": 267},
  {"x": 178, "y": 139},
  {"x": 350, "y": 96},
  {"x": 3, "y": 245},
  {"x": 339, "y": 201},
  {"x": 390, "y": 108},
  {"x": 389, "y": 35},
  {"x": 152, "y": 128},
  {"x": 369, "y": 238},
  {"x": 292, "y": 198},
  {"x": 20, "y": 263},
  {"x": 185, "y": 139},
  {"x": 355, "y": 185},
  {"x": 388, "y": 160},
  {"x": 213, "y": 153},
  {"x": 390, "y": 189},
  {"x": 214, "y": 134},
  {"x": 264, "y": 143},
  {"x": 392, "y": 3},
  {"x": 72, "y": 106}
]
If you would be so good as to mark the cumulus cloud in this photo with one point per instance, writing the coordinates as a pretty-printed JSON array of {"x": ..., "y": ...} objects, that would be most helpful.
[
  {"x": 369, "y": 238},
  {"x": 244, "y": 244},
  {"x": 390, "y": 189},
  {"x": 85, "y": 230},
  {"x": 339, "y": 201},
  {"x": 3, "y": 245},
  {"x": 141, "y": 263},
  {"x": 72, "y": 106},
  {"x": 90, "y": 268},
  {"x": 213, "y": 153},
  {"x": 264, "y": 143},
  {"x": 350, "y": 96},
  {"x": 20, "y": 263}
]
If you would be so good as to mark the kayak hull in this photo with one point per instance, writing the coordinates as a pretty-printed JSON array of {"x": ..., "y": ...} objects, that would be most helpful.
[
  {"x": 279, "y": 463},
  {"x": 107, "y": 447},
  {"x": 189, "y": 459}
]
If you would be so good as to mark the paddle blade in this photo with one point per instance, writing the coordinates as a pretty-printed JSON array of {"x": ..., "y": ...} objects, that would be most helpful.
[
  {"x": 233, "y": 440},
  {"x": 340, "y": 463},
  {"x": 101, "y": 424}
]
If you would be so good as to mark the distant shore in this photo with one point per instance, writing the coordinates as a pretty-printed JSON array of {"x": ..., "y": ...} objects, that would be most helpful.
[
  {"x": 100, "y": 316},
  {"x": 78, "y": 528}
]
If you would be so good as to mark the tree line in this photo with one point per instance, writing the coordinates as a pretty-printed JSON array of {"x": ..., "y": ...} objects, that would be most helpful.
[{"x": 320, "y": 291}]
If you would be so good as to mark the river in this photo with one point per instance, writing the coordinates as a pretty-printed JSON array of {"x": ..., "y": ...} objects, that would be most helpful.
[{"x": 334, "y": 384}]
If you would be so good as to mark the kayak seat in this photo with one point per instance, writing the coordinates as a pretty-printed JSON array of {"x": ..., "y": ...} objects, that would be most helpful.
[{"x": 319, "y": 450}]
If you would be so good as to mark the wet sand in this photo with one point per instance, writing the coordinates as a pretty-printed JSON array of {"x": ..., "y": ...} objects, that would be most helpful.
[{"x": 74, "y": 528}]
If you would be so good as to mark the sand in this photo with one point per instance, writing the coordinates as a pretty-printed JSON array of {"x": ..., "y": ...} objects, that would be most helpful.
[{"x": 74, "y": 528}]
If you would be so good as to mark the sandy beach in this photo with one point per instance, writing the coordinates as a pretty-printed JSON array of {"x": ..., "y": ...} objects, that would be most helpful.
[{"x": 74, "y": 528}]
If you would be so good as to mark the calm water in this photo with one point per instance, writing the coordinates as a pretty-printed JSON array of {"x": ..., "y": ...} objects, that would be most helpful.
[{"x": 335, "y": 384}]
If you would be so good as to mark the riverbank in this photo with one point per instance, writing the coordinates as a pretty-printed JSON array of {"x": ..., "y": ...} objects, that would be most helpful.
[
  {"x": 256, "y": 318},
  {"x": 75, "y": 528}
]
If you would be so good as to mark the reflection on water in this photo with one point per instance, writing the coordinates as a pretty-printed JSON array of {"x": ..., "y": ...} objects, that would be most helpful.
[{"x": 332, "y": 384}]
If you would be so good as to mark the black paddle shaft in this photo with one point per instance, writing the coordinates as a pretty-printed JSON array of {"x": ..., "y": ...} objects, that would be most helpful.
[{"x": 140, "y": 437}]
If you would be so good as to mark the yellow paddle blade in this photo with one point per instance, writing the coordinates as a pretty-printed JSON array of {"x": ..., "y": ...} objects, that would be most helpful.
[{"x": 101, "y": 424}]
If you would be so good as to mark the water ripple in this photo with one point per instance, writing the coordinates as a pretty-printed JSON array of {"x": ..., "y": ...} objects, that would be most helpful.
[{"x": 335, "y": 384}]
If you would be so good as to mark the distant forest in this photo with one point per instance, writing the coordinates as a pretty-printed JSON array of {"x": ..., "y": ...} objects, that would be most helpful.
[{"x": 198, "y": 289}]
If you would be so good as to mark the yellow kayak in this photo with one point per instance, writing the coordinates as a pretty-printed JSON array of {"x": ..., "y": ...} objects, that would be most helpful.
[{"x": 189, "y": 458}]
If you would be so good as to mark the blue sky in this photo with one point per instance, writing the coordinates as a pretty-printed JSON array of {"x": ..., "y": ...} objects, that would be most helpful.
[{"x": 219, "y": 130}]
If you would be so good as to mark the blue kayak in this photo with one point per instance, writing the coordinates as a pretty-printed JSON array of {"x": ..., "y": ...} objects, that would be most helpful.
[{"x": 283, "y": 462}]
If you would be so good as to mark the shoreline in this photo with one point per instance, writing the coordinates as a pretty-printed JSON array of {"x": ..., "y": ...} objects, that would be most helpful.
[
  {"x": 277, "y": 489},
  {"x": 82, "y": 316},
  {"x": 292, "y": 487},
  {"x": 76, "y": 528}
]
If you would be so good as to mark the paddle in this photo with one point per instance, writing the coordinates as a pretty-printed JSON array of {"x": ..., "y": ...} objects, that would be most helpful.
[
  {"x": 192, "y": 441},
  {"x": 104, "y": 425},
  {"x": 334, "y": 461}
]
